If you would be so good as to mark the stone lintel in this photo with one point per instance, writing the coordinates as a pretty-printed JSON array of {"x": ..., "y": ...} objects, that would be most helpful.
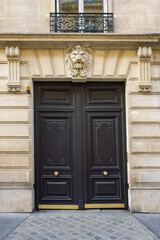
[{"x": 62, "y": 40}]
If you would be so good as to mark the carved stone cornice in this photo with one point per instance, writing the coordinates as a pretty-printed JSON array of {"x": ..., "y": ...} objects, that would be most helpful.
[
  {"x": 13, "y": 54},
  {"x": 144, "y": 56},
  {"x": 95, "y": 40}
]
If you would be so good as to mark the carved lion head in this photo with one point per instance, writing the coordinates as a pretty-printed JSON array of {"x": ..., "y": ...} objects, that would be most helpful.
[{"x": 78, "y": 59}]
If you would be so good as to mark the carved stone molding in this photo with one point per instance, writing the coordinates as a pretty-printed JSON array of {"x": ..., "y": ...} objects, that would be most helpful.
[
  {"x": 78, "y": 59},
  {"x": 13, "y": 54},
  {"x": 144, "y": 56}
]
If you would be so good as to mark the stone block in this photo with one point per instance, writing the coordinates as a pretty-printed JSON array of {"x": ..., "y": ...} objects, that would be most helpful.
[
  {"x": 145, "y": 176},
  {"x": 12, "y": 100},
  {"x": 58, "y": 62},
  {"x": 144, "y": 101},
  {"x": 12, "y": 115},
  {"x": 147, "y": 116},
  {"x": 24, "y": 72},
  {"x": 146, "y": 130},
  {"x": 144, "y": 146},
  {"x": 3, "y": 58},
  {"x": 133, "y": 71},
  {"x": 145, "y": 201},
  {"x": 17, "y": 161},
  {"x": 127, "y": 7},
  {"x": 14, "y": 146},
  {"x": 45, "y": 62},
  {"x": 131, "y": 87},
  {"x": 31, "y": 57},
  {"x": 98, "y": 63},
  {"x": 155, "y": 56},
  {"x": 1, "y": 8},
  {"x": 14, "y": 176},
  {"x": 23, "y": 25},
  {"x": 155, "y": 71},
  {"x": 21, "y": 9},
  {"x": 122, "y": 23},
  {"x": 3, "y": 70},
  {"x": 143, "y": 23},
  {"x": 14, "y": 130},
  {"x": 112, "y": 59},
  {"x": 157, "y": 23},
  {"x": 3, "y": 85},
  {"x": 145, "y": 161},
  {"x": 156, "y": 86},
  {"x": 16, "y": 201},
  {"x": 52, "y": 6},
  {"x": 124, "y": 62},
  {"x": 45, "y": 8}
]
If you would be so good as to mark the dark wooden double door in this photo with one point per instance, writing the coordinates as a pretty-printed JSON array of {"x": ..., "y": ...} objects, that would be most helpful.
[{"x": 80, "y": 145}]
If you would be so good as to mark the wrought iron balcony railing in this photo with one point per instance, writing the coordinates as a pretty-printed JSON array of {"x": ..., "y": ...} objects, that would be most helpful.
[{"x": 81, "y": 22}]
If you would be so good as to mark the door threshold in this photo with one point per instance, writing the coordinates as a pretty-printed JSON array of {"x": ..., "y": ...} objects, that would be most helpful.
[
  {"x": 65, "y": 207},
  {"x": 86, "y": 206},
  {"x": 106, "y": 205}
]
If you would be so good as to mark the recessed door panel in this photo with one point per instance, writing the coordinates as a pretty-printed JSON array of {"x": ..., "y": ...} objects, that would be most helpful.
[
  {"x": 106, "y": 189},
  {"x": 102, "y": 139},
  {"x": 57, "y": 137},
  {"x": 57, "y": 189},
  {"x": 102, "y": 95}
]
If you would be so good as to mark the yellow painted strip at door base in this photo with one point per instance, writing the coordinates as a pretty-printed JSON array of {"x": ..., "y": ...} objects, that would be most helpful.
[
  {"x": 107, "y": 205},
  {"x": 58, "y": 207}
]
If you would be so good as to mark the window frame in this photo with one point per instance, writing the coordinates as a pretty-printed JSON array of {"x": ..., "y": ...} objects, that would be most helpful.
[{"x": 81, "y": 6}]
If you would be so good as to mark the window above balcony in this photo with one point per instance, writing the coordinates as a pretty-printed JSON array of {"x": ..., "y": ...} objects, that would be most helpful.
[{"x": 81, "y": 16}]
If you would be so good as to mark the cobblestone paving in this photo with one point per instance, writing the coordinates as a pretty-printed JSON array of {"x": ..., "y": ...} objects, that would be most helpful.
[{"x": 81, "y": 225}]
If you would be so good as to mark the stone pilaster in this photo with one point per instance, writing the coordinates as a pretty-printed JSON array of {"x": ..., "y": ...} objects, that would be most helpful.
[
  {"x": 13, "y": 54},
  {"x": 144, "y": 57}
]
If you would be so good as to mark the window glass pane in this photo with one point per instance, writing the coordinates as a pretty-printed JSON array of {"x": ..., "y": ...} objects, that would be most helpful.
[
  {"x": 93, "y": 6},
  {"x": 68, "y": 6}
]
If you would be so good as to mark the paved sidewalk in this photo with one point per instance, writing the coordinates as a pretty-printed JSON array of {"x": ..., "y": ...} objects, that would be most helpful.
[
  {"x": 10, "y": 221},
  {"x": 151, "y": 221},
  {"x": 82, "y": 225}
]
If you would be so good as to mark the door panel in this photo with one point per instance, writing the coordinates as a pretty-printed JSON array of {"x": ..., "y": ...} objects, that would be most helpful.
[
  {"x": 106, "y": 189},
  {"x": 57, "y": 137},
  {"x": 104, "y": 95},
  {"x": 104, "y": 109},
  {"x": 56, "y": 151},
  {"x": 103, "y": 141},
  {"x": 55, "y": 144},
  {"x": 104, "y": 153},
  {"x": 57, "y": 189},
  {"x": 80, "y": 145}
]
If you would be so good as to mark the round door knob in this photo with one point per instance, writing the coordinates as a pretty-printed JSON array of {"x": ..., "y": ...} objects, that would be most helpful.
[
  {"x": 56, "y": 173},
  {"x": 105, "y": 173}
]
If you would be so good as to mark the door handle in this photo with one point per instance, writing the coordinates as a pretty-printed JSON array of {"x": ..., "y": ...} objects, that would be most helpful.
[
  {"x": 105, "y": 173},
  {"x": 56, "y": 173}
]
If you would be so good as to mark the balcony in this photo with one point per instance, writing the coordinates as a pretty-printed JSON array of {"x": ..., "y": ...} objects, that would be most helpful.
[{"x": 81, "y": 22}]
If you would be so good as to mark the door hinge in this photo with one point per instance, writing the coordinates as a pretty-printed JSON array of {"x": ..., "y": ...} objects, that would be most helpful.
[
  {"x": 127, "y": 185},
  {"x": 34, "y": 186}
]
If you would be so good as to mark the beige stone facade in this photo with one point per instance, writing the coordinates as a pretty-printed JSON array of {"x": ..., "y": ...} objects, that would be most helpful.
[{"x": 28, "y": 53}]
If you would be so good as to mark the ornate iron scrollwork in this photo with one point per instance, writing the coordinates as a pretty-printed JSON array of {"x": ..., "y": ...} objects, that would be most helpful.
[{"x": 81, "y": 22}]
